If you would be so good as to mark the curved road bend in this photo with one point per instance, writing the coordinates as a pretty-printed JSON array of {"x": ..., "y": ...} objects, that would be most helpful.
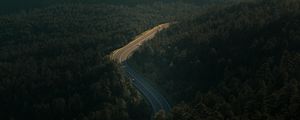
[{"x": 157, "y": 101}]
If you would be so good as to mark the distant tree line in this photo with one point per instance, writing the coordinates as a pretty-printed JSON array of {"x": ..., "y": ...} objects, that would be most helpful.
[{"x": 15, "y": 6}]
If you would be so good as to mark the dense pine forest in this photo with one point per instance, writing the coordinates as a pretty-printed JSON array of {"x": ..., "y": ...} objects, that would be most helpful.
[
  {"x": 234, "y": 59},
  {"x": 54, "y": 63},
  {"x": 238, "y": 62},
  {"x": 15, "y": 6}
]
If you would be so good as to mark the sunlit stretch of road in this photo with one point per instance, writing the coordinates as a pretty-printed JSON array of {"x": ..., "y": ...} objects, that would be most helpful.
[
  {"x": 122, "y": 54},
  {"x": 157, "y": 101}
]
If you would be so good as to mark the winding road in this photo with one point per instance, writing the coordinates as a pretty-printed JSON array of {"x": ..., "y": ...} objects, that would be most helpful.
[{"x": 156, "y": 100}]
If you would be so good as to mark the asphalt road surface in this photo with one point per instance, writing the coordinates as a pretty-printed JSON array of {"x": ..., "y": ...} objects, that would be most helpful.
[
  {"x": 122, "y": 54},
  {"x": 156, "y": 100}
]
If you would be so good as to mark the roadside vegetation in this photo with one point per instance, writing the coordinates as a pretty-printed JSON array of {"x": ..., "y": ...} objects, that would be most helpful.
[
  {"x": 237, "y": 62},
  {"x": 54, "y": 65},
  {"x": 234, "y": 59}
]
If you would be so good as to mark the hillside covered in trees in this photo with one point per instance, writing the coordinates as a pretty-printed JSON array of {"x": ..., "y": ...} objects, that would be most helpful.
[
  {"x": 237, "y": 62},
  {"x": 233, "y": 59},
  {"x": 53, "y": 63}
]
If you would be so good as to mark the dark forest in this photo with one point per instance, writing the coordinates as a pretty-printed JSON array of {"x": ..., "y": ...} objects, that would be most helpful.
[{"x": 221, "y": 60}]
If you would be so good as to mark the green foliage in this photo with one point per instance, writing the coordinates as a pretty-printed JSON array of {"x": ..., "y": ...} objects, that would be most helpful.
[
  {"x": 53, "y": 61},
  {"x": 53, "y": 64},
  {"x": 237, "y": 62}
]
